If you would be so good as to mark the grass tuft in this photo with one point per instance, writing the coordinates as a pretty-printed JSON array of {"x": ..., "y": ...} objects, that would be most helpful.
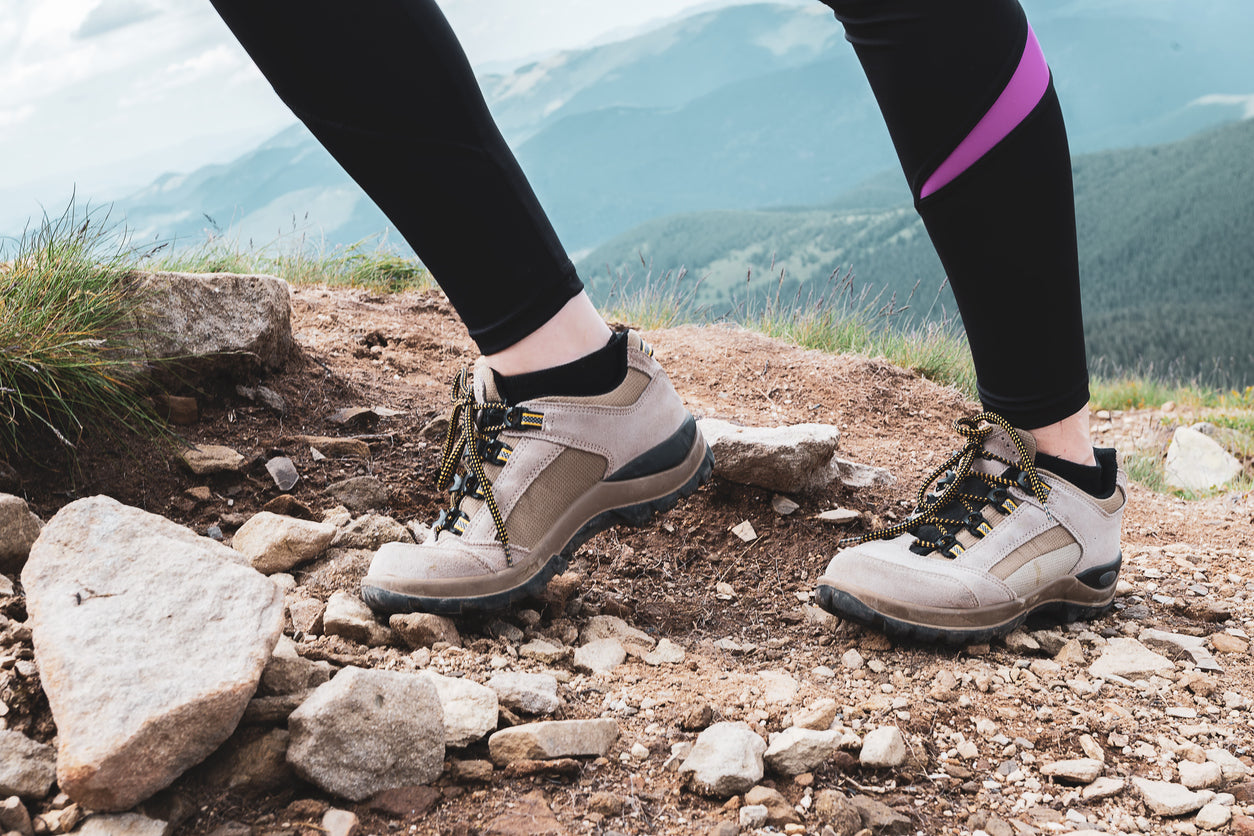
[{"x": 65, "y": 297}]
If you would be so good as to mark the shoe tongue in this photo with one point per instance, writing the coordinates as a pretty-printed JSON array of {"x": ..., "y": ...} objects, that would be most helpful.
[
  {"x": 485, "y": 383},
  {"x": 999, "y": 443}
]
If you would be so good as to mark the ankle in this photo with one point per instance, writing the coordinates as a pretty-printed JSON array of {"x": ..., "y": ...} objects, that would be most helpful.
[
  {"x": 574, "y": 332},
  {"x": 1067, "y": 439}
]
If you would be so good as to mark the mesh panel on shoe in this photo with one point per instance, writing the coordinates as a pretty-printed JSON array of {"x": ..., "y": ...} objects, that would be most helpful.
[
  {"x": 1044, "y": 543},
  {"x": 1037, "y": 573},
  {"x": 570, "y": 475}
]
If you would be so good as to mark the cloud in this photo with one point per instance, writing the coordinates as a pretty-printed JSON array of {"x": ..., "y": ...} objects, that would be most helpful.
[
  {"x": 113, "y": 14},
  {"x": 12, "y": 117}
]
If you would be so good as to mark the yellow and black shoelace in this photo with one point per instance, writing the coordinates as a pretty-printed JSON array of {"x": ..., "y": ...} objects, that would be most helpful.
[
  {"x": 964, "y": 492},
  {"x": 473, "y": 437}
]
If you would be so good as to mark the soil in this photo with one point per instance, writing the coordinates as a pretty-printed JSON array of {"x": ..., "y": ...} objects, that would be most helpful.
[{"x": 1188, "y": 564}]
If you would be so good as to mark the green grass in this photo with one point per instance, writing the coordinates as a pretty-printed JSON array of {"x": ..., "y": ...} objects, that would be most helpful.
[
  {"x": 65, "y": 296},
  {"x": 366, "y": 264},
  {"x": 1144, "y": 390}
]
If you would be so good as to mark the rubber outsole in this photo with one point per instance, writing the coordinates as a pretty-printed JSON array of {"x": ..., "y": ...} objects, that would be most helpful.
[
  {"x": 640, "y": 514},
  {"x": 842, "y": 604}
]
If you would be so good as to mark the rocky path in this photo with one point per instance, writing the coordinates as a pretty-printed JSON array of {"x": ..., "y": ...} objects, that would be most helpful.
[{"x": 676, "y": 680}]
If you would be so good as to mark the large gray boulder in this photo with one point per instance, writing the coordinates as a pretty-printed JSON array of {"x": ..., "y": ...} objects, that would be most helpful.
[
  {"x": 367, "y": 731},
  {"x": 219, "y": 323},
  {"x": 19, "y": 529},
  {"x": 150, "y": 641},
  {"x": 1197, "y": 463}
]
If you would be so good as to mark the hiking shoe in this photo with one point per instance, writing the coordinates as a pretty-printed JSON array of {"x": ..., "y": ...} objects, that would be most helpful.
[
  {"x": 998, "y": 541},
  {"x": 536, "y": 479}
]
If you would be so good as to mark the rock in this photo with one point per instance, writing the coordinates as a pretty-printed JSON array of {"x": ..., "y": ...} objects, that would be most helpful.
[
  {"x": 370, "y": 531},
  {"x": 348, "y": 616},
  {"x": 1076, "y": 771},
  {"x": 19, "y": 529},
  {"x": 883, "y": 748},
  {"x": 725, "y": 760},
  {"x": 27, "y": 768},
  {"x": 635, "y": 642},
  {"x": 337, "y": 448},
  {"x": 880, "y": 818},
  {"x": 1071, "y": 653},
  {"x": 696, "y": 718},
  {"x": 1213, "y": 817},
  {"x": 177, "y": 410},
  {"x": 835, "y": 811},
  {"x": 1228, "y": 643},
  {"x": 1129, "y": 658},
  {"x": 542, "y": 651},
  {"x": 852, "y": 660},
  {"x": 339, "y": 823},
  {"x": 1233, "y": 769},
  {"x": 359, "y": 494},
  {"x": 666, "y": 653},
  {"x": 855, "y": 475},
  {"x": 752, "y": 815},
  {"x": 219, "y": 323},
  {"x": 796, "y": 750},
  {"x": 1020, "y": 642},
  {"x": 783, "y": 506},
  {"x": 792, "y": 459},
  {"x": 567, "y": 768},
  {"x": 123, "y": 824},
  {"x": 119, "y": 599},
  {"x": 405, "y": 802},
  {"x": 203, "y": 459},
  {"x": 550, "y": 739},
  {"x": 778, "y": 687},
  {"x": 1103, "y": 788},
  {"x": 423, "y": 629},
  {"x": 839, "y": 516},
  {"x": 1197, "y": 463},
  {"x": 288, "y": 672},
  {"x": 263, "y": 395},
  {"x": 470, "y": 709},
  {"x": 819, "y": 715},
  {"x": 306, "y": 615},
  {"x": 1195, "y": 646},
  {"x": 745, "y": 532},
  {"x": 283, "y": 472},
  {"x": 605, "y": 803},
  {"x": 475, "y": 770},
  {"x": 1200, "y": 776},
  {"x": 1166, "y": 799},
  {"x": 254, "y": 765},
  {"x": 530, "y": 693},
  {"x": 275, "y": 544},
  {"x": 14, "y": 817},
  {"x": 778, "y": 811},
  {"x": 600, "y": 656},
  {"x": 368, "y": 730},
  {"x": 530, "y": 816}
]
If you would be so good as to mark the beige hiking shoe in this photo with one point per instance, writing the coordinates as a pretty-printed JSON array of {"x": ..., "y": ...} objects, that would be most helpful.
[
  {"x": 536, "y": 480},
  {"x": 999, "y": 541}
]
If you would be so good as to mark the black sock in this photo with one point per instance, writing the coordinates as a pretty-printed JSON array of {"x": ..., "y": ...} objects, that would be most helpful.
[
  {"x": 1096, "y": 480},
  {"x": 592, "y": 374}
]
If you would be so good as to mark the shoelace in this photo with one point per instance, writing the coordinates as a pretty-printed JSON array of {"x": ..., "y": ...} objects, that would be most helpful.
[
  {"x": 472, "y": 436},
  {"x": 933, "y": 521}
]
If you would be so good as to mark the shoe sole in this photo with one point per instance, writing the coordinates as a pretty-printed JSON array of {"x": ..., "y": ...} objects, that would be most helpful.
[
  {"x": 699, "y": 464},
  {"x": 1063, "y": 601}
]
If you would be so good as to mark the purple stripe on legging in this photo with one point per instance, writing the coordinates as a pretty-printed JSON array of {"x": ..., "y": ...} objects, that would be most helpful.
[{"x": 1022, "y": 93}]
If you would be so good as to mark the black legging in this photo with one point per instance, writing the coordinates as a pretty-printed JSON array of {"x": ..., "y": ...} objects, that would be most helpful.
[{"x": 386, "y": 88}]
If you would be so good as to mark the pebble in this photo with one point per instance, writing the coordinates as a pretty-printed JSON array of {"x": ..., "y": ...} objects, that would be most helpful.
[
  {"x": 745, "y": 531},
  {"x": 778, "y": 810},
  {"x": 666, "y": 653},
  {"x": 542, "y": 651},
  {"x": 752, "y": 815},
  {"x": 819, "y": 715},
  {"x": 530, "y": 693},
  {"x": 600, "y": 656},
  {"x": 726, "y": 759},
  {"x": 339, "y": 823},
  {"x": 273, "y": 543},
  {"x": 27, "y": 768},
  {"x": 203, "y": 459},
  {"x": 1103, "y": 788},
  {"x": 1077, "y": 771},
  {"x": 551, "y": 739},
  {"x": 852, "y": 660},
  {"x": 783, "y": 506},
  {"x": 1130, "y": 659},
  {"x": 1167, "y": 799},
  {"x": 839, "y": 516},
  {"x": 348, "y": 616},
  {"x": 1198, "y": 776},
  {"x": 421, "y": 629},
  {"x": 883, "y": 748},
  {"x": 797, "y": 750},
  {"x": 283, "y": 472},
  {"x": 1213, "y": 817},
  {"x": 1228, "y": 643},
  {"x": 470, "y": 709}
]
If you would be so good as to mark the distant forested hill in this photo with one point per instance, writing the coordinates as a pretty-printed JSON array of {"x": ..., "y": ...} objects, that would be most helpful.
[{"x": 1166, "y": 249}]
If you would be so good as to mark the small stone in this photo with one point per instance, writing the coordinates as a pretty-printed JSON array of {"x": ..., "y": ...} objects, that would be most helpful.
[
  {"x": 1103, "y": 788},
  {"x": 370, "y": 531},
  {"x": 783, "y": 459},
  {"x": 251, "y": 765},
  {"x": 778, "y": 687},
  {"x": 635, "y": 642},
  {"x": 819, "y": 715},
  {"x": 1021, "y": 642},
  {"x": 1198, "y": 776},
  {"x": 1071, "y": 653},
  {"x": 27, "y": 768},
  {"x": 1228, "y": 643},
  {"x": 839, "y": 516},
  {"x": 121, "y": 824},
  {"x": 19, "y": 529},
  {"x": 778, "y": 810},
  {"x": 1213, "y": 817},
  {"x": 203, "y": 459},
  {"x": 471, "y": 771},
  {"x": 14, "y": 817},
  {"x": 639, "y": 751},
  {"x": 752, "y": 815},
  {"x": 796, "y": 750},
  {"x": 852, "y": 660},
  {"x": 542, "y": 651},
  {"x": 725, "y": 760},
  {"x": 421, "y": 629},
  {"x": 745, "y": 531},
  {"x": 666, "y": 653},
  {"x": 1129, "y": 658},
  {"x": 1233, "y": 769},
  {"x": 529, "y": 693},
  {"x": 553, "y": 739},
  {"x": 1092, "y": 749},
  {"x": 783, "y": 506},
  {"x": 1076, "y": 771},
  {"x": 339, "y": 823},
  {"x": 359, "y": 494},
  {"x": 275, "y": 544},
  {"x": 348, "y": 616},
  {"x": 1167, "y": 799},
  {"x": 600, "y": 656},
  {"x": 405, "y": 802},
  {"x": 263, "y": 395},
  {"x": 530, "y": 816},
  {"x": 606, "y": 803},
  {"x": 883, "y": 748},
  {"x": 697, "y": 718},
  {"x": 1197, "y": 463},
  {"x": 836, "y": 812},
  {"x": 880, "y": 818},
  {"x": 470, "y": 709},
  {"x": 283, "y": 472}
]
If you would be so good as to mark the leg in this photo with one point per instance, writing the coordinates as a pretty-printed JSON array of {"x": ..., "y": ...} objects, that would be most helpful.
[
  {"x": 563, "y": 430},
  {"x": 1024, "y": 521}
]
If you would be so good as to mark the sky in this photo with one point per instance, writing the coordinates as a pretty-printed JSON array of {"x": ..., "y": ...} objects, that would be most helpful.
[{"x": 102, "y": 96}]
